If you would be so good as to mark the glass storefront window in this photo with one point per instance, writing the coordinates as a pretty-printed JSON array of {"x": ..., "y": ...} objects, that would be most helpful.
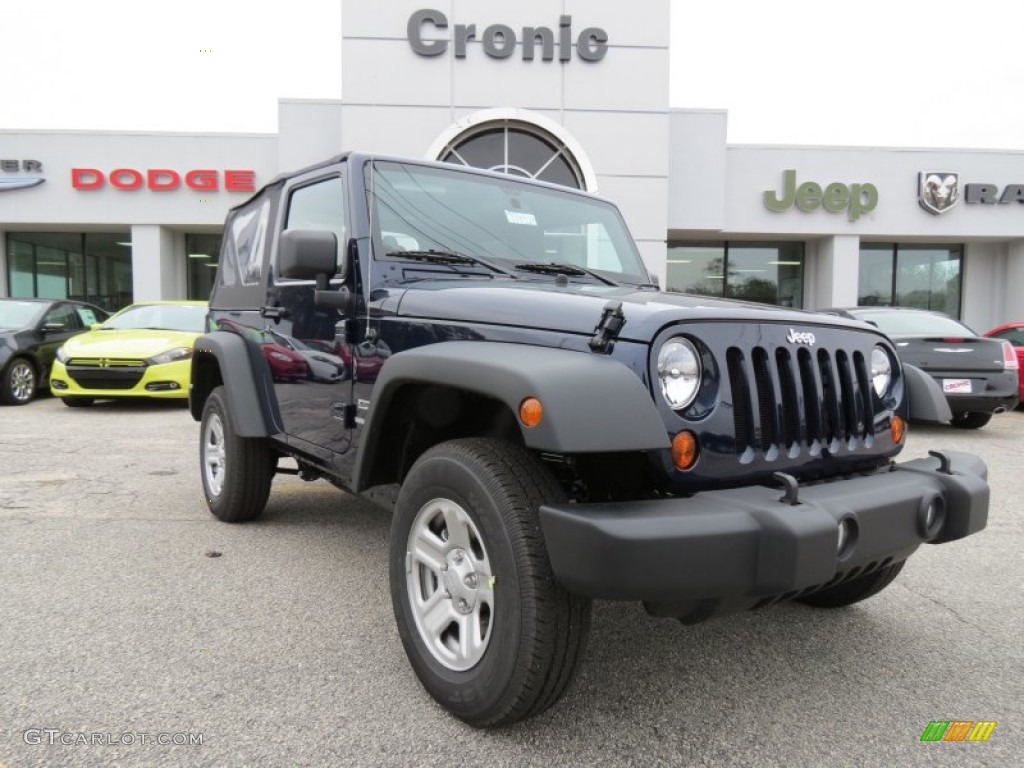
[
  {"x": 769, "y": 273},
  {"x": 203, "y": 252},
  {"x": 911, "y": 275},
  {"x": 517, "y": 148},
  {"x": 93, "y": 267}
]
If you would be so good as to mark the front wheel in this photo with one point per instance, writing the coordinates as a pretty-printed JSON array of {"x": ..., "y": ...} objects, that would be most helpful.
[
  {"x": 236, "y": 471},
  {"x": 491, "y": 635},
  {"x": 19, "y": 382},
  {"x": 855, "y": 590}
]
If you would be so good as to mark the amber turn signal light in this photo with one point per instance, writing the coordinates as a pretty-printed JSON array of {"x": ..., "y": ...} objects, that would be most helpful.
[
  {"x": 684, "y": 450},
  {"x": 531, "y": 412},
  {"x": 898, "y": 428}
]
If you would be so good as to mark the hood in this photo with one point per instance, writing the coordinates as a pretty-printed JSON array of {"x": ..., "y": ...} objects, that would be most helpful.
[
  {"x": 131, "y": 344},
  {"x": 576, "y": 308}
]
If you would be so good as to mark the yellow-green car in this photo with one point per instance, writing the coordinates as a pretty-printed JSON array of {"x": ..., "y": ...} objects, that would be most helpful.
[{"x": 145, "y": 350}]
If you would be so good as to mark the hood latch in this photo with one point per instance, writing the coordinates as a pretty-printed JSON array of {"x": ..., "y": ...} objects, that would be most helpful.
[{"x": 608, "y": 327}]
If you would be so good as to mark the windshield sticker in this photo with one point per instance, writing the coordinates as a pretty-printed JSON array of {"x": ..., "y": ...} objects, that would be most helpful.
[
  {"x": 88, "y": 318},
  {"x": 518, "y": 217}
]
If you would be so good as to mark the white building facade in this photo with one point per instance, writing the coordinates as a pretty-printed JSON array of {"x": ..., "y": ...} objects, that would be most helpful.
[{"x": 566, "y": 91}]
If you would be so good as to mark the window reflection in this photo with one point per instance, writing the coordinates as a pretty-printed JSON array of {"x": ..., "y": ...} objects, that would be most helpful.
[
  {"x": 912, "y": 275},
  {"x": 203, "y": 253},
  {"x": 93, "y": 267},
  {"x": 768, "y": 273}
]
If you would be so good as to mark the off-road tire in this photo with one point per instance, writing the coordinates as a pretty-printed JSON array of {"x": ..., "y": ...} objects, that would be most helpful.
[
  {"x": 237, "y": 491},
  {"x": 855, "y": 590},
  {"x": 19, "y": 382},
  {"x": 538, "y": 630}
]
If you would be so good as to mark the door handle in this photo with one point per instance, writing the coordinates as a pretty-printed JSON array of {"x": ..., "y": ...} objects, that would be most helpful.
[{"x": 274, "y": 313}]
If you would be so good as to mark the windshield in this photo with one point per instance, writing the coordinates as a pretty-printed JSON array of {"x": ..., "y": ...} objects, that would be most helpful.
[
  {"x": 20, "y": 314},
  {"x": 915, "y": 324},
  {"x": 164, "y": 317},
  {"x": 508, "y": 222}
]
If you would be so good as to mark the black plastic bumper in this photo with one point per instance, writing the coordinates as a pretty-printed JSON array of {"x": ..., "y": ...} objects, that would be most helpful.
[{"x": 749, "y": 543}]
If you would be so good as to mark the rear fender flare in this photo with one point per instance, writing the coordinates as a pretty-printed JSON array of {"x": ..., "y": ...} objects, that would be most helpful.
[{"x": 251, "y": 405}]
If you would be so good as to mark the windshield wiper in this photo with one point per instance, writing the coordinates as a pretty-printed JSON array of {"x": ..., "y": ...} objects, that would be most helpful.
[
  {"x": 449, "y": 257},
  {"x": 570, "y": 270}
]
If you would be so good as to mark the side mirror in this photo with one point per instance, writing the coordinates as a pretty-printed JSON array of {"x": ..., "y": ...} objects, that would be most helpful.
[
  {"x": 306, "y": 254},
  {"x": 53, "y": 328}
]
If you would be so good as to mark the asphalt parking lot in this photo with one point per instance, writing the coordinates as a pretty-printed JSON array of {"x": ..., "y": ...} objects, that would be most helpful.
[{"x": 117, "y": 621}]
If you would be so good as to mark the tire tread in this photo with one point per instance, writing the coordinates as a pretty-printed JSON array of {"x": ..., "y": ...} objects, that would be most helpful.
[
  {"x": 250, "y": 468},
  {"x": 860, "y": 588}
]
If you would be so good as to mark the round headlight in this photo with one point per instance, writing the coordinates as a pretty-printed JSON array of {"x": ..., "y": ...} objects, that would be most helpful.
[
  {"x": 679, "y": 372},
  {"x": 881, "y": 370}
]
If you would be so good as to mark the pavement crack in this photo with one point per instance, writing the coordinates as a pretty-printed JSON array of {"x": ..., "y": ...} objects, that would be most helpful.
[{"x": 942, "y": 605}]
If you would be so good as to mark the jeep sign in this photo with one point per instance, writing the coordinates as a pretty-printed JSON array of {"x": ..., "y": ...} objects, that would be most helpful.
[{"x": 836, "y": 197}]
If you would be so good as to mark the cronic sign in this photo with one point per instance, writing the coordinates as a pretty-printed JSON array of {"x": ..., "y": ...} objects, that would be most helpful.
[{"x": 500, "y": 40}]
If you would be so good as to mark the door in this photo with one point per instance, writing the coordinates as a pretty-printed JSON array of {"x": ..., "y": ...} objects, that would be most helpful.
[
  {"x": 59, "y": 324},
  {"x": 307, "y": 356}
]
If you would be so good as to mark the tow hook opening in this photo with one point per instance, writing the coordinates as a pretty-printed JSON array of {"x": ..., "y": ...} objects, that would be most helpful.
[
  {"x": 931, "y": 516},
  {"x": 846, "y": 538}
]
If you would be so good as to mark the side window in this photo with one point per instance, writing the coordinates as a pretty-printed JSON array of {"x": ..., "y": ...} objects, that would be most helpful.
[
  {"x": 64, "y": 314},
  {"x": 242, "y": 250},
  {"x": 321, "y": 206},
  {"x": 88, "y": 316},
  {"x": 1013, "y": 335}
]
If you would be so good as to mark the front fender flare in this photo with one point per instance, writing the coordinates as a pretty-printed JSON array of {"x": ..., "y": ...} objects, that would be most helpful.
[
  {"x": 927, "y": 401},
  {"x": 592, "y": 403}
]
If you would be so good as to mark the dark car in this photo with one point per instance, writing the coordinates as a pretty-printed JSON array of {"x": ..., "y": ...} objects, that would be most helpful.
[
  {"x": 1012, "y": 334},
  {"x": 979, "y": 376},
  {"x": 31, "y": 331}
]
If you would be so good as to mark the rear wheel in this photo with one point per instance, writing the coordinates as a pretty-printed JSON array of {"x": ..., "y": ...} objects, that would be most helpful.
[
  {"x": 236, "y": 471},
  {"x": 971, "y": 420},
  {"x": 855, "y": 590},
  {"x": 19, "y": 382},
  {"x": 491, "y": 635}
]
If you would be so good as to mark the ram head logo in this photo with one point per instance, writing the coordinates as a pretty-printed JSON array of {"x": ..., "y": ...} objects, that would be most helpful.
[{"x": 938, "y": 191}]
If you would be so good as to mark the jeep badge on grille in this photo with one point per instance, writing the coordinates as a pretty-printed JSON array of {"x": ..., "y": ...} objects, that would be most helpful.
[{"x": 798, "y": 337}]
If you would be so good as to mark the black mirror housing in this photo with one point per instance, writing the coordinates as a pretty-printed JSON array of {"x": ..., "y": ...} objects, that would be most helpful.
[{"x": 305, "y": 254}]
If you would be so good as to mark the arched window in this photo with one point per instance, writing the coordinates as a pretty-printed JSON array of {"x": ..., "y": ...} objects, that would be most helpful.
[{"x": 516, "y": 148}]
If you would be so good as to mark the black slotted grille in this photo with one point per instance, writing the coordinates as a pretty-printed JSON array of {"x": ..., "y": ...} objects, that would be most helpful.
[{"x": 805, "y": 400}]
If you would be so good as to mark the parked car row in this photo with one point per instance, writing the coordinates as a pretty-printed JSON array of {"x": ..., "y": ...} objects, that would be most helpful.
[
  {"x": 145, "y": 350},
  {"x": 980, "y": 376}
]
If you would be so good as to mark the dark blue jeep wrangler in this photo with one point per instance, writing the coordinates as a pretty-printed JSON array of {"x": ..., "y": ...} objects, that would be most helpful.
[{"x": 488, "y": 358}]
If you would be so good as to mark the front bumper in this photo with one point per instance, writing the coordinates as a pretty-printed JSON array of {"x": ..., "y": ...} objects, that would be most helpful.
[
  {"x": 744, "y": 545},
  {"x": 166, "y": 381}
]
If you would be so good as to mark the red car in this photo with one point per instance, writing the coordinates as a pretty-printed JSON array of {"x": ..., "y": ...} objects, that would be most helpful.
[{"x": 1014, "y": 334}]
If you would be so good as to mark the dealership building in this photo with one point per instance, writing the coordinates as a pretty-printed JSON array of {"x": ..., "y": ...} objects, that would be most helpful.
[{"x": 570, "y": 92}]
